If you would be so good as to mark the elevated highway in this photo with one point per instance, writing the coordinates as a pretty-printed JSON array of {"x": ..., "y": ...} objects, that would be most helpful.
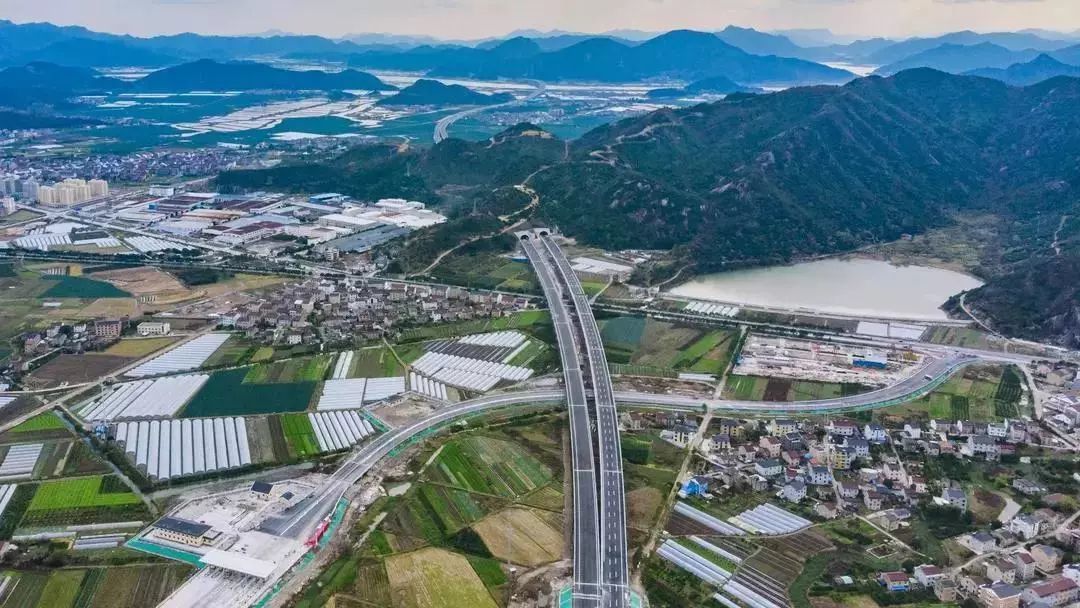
[
  {"x": 299, "y": 521},
  {"x": 587, "y": 589},
  {"x": 614, "y": 568}
]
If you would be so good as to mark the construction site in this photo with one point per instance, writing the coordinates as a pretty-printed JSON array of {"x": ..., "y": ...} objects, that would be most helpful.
[{"x": 823, "y": 361}]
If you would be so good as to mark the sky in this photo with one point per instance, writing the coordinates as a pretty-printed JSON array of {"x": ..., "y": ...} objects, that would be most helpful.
[{"x": 471, "y": 19}]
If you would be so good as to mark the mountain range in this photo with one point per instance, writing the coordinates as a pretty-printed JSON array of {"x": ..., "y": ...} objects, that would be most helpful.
[
  {"x": 765, "y": 179},
  {"x": 1043, "y": 67},
  {"x": 680, "y": 54},
  {"x": 743, "y": 55},
  {"x": 53, "y": 85},
  {"x": 210, "y": 75}
]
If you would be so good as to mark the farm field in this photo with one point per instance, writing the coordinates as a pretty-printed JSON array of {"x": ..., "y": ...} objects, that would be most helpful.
[
  {"x": 760, "y": 388},
  {"x": 520, "y": 536},
  {"x": 981, "y": 393},
  {"x": 113, "y": 587},
  {"x": 235, "y": 351},
  {"x": 148, "y": 281},
  {"x": 76, "y": 369},
  {"x": 62, "y": 588},
  {"x": 46, "y": 421},
  {"x": 647, "y": 344},
  {"x": 434, "y": 513},
  {"x": 20, "y": 215},
  {"x": 137, "y": 586},
  {"x": 435, "y": 578},
  {"x": 226, "y": 394},
  {"x": 710, "y": 354},
  {"x": 960, "y": 336},
  {"x": 486, "y": 271},
  {"x": 375, "y": 363},
  {"x": 529, "y": 320},
  {"x": 81, "y": 287},
  {"x": 299, "y": 436},
  {"x": 311, "y": 369},
  {"x": 489, "y": 466},
  {"x": 137, "y": 348},
  {"x": 82, "y": 500}
]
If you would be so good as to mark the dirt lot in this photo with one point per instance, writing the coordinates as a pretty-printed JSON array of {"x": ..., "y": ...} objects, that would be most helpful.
[
  {"x": 74, "y": 369},
  {"x": 642, "y": 504},
  {"x": 110, "y": 308},
  {"x": 520, "y": 536},
  {"x": 149, "y": 281}
]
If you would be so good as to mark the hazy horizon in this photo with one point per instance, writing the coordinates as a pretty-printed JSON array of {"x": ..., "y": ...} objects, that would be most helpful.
[{"x": 476, "y": 19}]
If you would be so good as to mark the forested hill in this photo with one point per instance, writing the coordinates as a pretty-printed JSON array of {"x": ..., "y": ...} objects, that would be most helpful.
[{"x": 757, "y": 179}]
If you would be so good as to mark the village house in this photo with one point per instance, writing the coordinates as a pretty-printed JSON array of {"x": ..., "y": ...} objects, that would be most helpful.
[
  {"x": 927, "y": 574},
  {"x": 1001, "y": 570},
  {"x": 999, "y": 595},
  {"x": 1047, "y": 558},
  {"x": 1057, "y": 592},
  {"x": 875, "y": 433},
  {"x": 768, "y": 467},
  {"x": 1026, "y": 526},
  {"x": 794, "y": 491},
  {"x": 771, "y": 445}
]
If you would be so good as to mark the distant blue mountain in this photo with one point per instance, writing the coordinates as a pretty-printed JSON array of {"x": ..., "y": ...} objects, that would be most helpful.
[
  {"x": 1043, "y": 67},
  {"x": 209, "y": 75},
  {"x": 957, "y": 58},
  {"x": 681, "y": 54},
  {"x": 88, "y": 52}
]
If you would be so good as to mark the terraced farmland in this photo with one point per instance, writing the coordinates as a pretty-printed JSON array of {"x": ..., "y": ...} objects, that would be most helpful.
[{"x": 489, "y": 466}]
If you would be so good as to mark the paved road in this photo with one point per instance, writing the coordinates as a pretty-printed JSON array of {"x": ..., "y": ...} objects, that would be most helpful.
[
  {"x": 442, "y": 127},
  {"x": 301, "y": 520},
  {"x": 586, "y": 530},
  {"x": 614, "y": 569}
]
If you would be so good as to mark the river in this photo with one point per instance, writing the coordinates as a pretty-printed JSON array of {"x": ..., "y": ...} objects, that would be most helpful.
[{"x": 858, "y": 286}]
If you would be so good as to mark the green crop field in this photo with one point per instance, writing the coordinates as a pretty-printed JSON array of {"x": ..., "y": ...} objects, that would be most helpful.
[
  {"x": 62, "y": 588},
  {"x": 526, "y": 320},
  {"x": 80, "y": 492},
  {"x": 745, "y": 388},
  {"x": 235, "y": 351},
  {"x": 27, "y": 590},
  {"x": 299, "y": 435},
  {"x": 375, "y": 363},
  {"x": 981, "y": 393},
  {"x": 42, "y": 422},
  {"x": 307, "y": 369},
  {"x": 710, "y": 354},
  {"x": 434, "y": 513},
  {"x": 226, "y": 394},
  {"x": 489, "y": 466},
  {"x": 81, "y": 287},
  {"x": 623, "y": 332}
]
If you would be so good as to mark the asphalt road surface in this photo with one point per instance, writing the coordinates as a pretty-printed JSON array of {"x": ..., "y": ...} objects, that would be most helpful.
[
  {"x": 614, "y": 569},
  {"x": 587, "y": 550}
]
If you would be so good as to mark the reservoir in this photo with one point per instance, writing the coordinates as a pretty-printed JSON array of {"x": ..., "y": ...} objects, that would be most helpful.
[{"x": 858, "y": 286}]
